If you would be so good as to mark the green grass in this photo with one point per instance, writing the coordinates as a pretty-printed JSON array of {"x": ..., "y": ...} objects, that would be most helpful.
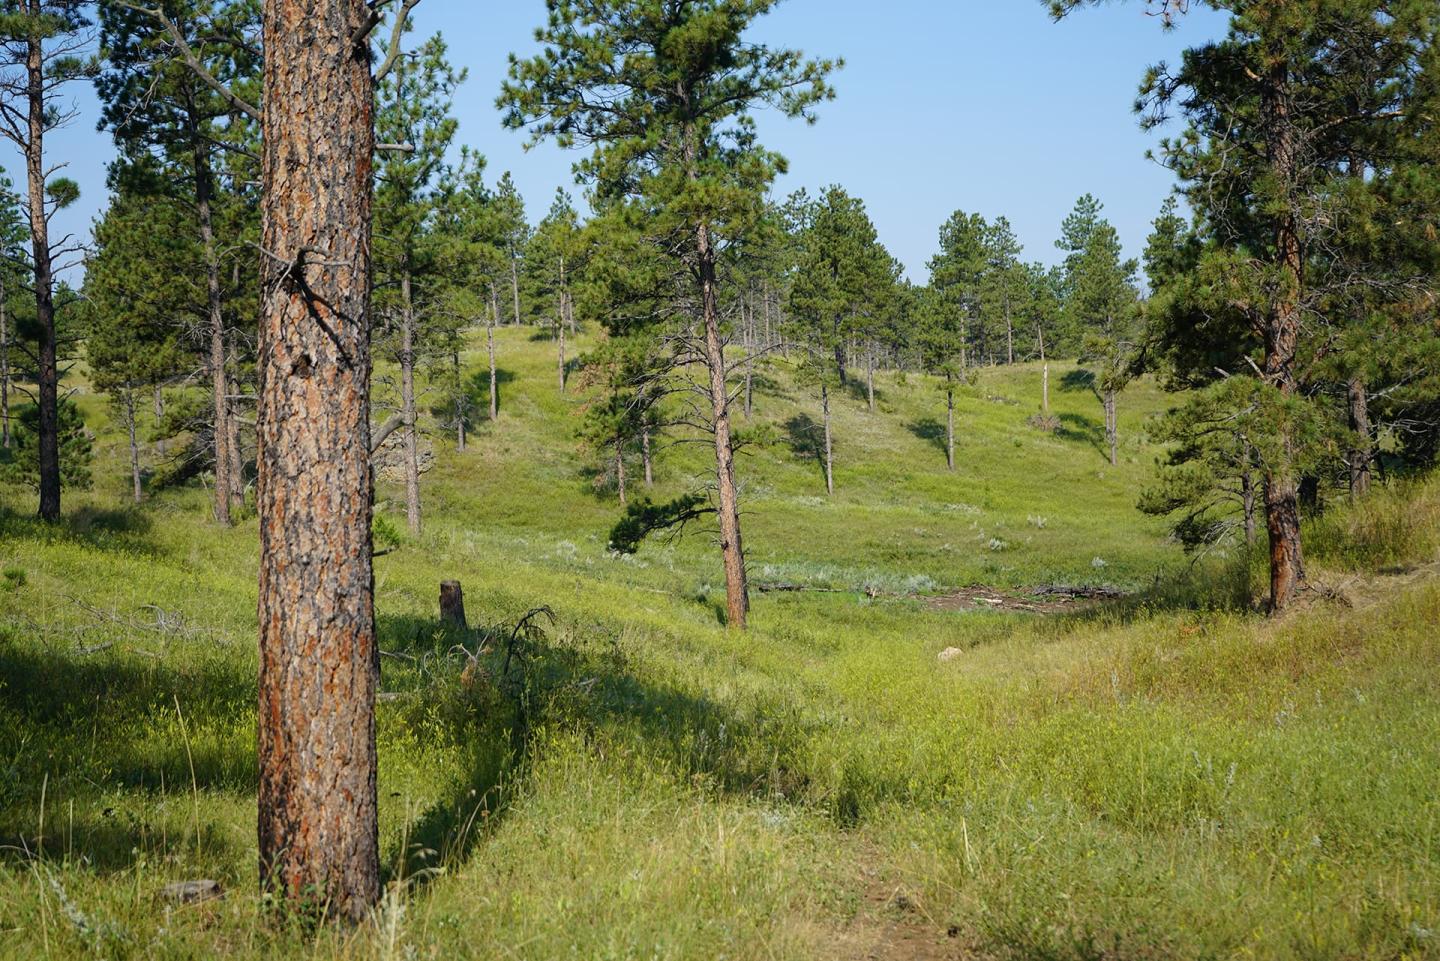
[{"x": 1167, "y": 776}]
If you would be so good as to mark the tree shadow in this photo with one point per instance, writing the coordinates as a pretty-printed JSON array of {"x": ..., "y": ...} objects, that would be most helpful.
[
  {"x": 1078, "y": 380},
  {"x": 857, "y": 390},
  {"x": 1078, "y": 427},
  {"x": 929, "y": 430},
  {"x": 122, "y": 530},
  {"x": 476, "y": 393},
  {"x": 80, "y": 727},
  {"x": 806, "y": 439},
  {"x": 588, "y": 688}
]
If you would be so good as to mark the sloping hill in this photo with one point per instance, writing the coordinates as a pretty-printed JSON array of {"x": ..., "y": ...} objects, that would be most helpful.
[{"x": 1165, "y": 776}]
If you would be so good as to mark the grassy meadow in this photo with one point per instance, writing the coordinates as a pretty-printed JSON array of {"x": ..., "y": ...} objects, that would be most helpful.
[{"x": 1169, "y": 775}]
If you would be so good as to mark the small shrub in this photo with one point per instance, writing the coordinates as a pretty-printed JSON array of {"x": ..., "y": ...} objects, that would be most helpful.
[
  {"x": 14, "y": 578},
  {"x": 1046, "y": 423}
]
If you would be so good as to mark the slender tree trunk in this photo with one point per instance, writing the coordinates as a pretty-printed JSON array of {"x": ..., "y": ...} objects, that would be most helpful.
[
  {"x": 1009, "y": 335},
  {"x": 219, "y": 383},
  {"x": 460, "y": 403},
  {"x": 407, "y": 404},
  {"x": 232, "y": 438},
  {"x": 136, "y": 491},
  {"x": 870, "y": 376},
  {"x": 4, "y": 369},
  {"x": 319, "y": 664},
  {"x": 829, "y": 446},
  {"x": 1044, "y": 378},
  {"x": 1247, "y": 498},
  {"x": 1362, "y": 455},
  {"x": 765, "y": 299},
  {"x": 560, "y": 358},
  {"x": 620, "y": 468},
  {"x": 737, "y": 592},
  {"x": 48, "y": 372},
  {"x": 490, "y": 347},
  {"x": 1112, "y": 429},
  {"x": 1281, "y": 337},
  {"x": 840, "y": 356},
  {"x": 749, "y": 386},
  {"x": 950, "y": 428},
  {"x": 645, "y": 452},
  {"x": 160, "y": 444},
  {"x": 515, "y": 284}
]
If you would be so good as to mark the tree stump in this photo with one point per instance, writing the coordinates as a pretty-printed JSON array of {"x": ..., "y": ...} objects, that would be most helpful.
[{"x": 452, "y": 604}]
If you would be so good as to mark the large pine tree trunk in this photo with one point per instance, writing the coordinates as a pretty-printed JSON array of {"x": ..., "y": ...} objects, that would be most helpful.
[
  {"x": 490, "y": 347},
  {"x": 319, "y": 664},
  {"x": 219, "y": 384},
  {"x": 737, "y": 592},
  {"x": 135, "y": 489},
  {"x": 407, "y": 405},
  {"x": 829, "y": 446},
  {"x": 1282, "y": 337},
  {"x": 950, "y": 428},
  {"x": 1362, "y": 455},
  {"x": 48, "y": 369}
]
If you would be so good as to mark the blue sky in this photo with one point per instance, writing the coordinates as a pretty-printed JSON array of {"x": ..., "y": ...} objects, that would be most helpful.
[{"x": 980, "y": 105}]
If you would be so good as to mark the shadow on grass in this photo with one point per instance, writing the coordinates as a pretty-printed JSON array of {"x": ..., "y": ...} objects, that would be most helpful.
[
  {"x": 806, "y": 439},
  {"x": 477, "y": 399},
  {"x": 78, "y": 728},
  {"x": 569, "y": 687},
  {"x": 929, "y": 430},
  {"x": 858, "y": 391},
  {"x": 1079, "y": 379},
  {"x": 1082, "y": 429},
  {"x": 126, "y": 530}
]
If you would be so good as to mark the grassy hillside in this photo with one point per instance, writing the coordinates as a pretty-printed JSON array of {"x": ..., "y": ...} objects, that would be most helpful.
[{"x": 1164, "y": 776}]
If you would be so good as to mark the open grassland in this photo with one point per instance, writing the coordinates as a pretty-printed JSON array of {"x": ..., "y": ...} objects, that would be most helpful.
[{"x": 1165, "y": 776}]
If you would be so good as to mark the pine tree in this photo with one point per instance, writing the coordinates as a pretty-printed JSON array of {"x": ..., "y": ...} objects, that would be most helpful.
[
  {"x": 157, "y": 105},
  {"x": 957, "y": 274},
  {"x": 1103, "y": 303},
  {"x": 1003, "y": 288},
  {"x": 663, "y": 92},
  {"x": 43, "y": 50},
  {"x": 475, "y": 265},
  {"x": 13, "y": 236},
  {"x": 1275, "y": 112},
  {"x": 555, "y": 260},
  {"x": 842, "y": 281},
  {"x": 414, "y": 109},
  {"x": 939, "y": 326},
  {"x": 139, "y": 284},
  {"x": 514, "y": 232}
]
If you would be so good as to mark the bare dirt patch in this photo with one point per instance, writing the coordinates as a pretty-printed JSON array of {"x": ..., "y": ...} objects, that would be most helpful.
[
  {"x": 1050, "y": 599},
  {"x": 893, "y": 925}
]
